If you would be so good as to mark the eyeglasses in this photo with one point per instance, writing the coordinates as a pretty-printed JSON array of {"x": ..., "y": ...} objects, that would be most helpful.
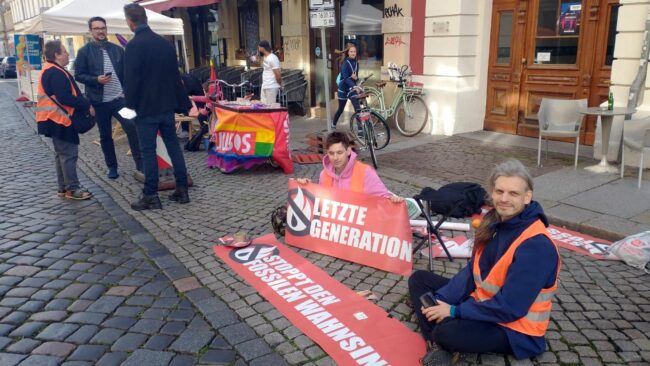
[{"x": 103, "y": 29}]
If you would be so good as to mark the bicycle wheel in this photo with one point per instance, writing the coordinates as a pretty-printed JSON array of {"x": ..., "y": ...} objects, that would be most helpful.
[
  {"x": 411, "y": 115},
  {"x": 379, "y": 125},
  {"x": 370, "y": 142},
  {"x": 373, "y": 99}
]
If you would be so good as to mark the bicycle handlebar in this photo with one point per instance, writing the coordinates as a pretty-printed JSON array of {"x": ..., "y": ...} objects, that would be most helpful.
[{"x": 218, "y": 81}]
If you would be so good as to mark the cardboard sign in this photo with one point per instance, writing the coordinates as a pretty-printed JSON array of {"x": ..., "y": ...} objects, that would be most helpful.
[
  {"x": 352, "y": 330},
  {"x": 357, "y": 227}
]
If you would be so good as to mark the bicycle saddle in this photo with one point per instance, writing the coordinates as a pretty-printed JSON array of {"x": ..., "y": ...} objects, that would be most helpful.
[{"x": 380, "y": 84}]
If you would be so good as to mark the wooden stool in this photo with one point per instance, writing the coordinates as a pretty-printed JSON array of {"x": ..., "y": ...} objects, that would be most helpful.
[{"x": 190, "y": 121}]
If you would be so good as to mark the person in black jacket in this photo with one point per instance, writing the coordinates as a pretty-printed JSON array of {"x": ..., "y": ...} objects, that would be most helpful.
[
  {"x": 59, "y": 97},
  {"x": 153, "y": 88},
  {"x": 100, "y": 67}
]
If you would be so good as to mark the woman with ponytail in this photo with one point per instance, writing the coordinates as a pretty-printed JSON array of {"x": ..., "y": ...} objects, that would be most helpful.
[{"x": 346, "y": 80}]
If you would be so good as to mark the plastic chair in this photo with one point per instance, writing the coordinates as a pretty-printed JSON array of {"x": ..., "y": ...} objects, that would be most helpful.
[
  {"x": 636, "y": 136},
  {"x": 560, "y": 118}
]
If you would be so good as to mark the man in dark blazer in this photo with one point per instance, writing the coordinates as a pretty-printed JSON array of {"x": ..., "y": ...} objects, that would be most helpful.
[{"x": 153, "y": 88}]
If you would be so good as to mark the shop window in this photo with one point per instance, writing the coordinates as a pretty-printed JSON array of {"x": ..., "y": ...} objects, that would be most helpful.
[
  {"x": 361, "y": 25},
  {"x": 558, "y": 31},
  {"x": 249, "y": 28}
]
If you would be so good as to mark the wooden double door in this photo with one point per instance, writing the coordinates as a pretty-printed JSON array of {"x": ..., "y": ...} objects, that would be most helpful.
[{"x": 547, "y": 48}]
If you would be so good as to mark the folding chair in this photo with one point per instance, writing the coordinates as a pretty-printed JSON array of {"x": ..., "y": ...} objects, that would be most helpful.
[
  {"x": 458, "y": 200},
  {"x": 432, "y": 230}
]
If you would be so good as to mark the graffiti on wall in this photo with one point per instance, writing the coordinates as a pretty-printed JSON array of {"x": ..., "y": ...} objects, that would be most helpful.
[
  {"x": 393, "y": 11},
  {"x": 394, "y": 41}
]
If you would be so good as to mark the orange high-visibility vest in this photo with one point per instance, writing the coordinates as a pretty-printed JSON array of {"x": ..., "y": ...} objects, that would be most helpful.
[
  {"x": 358, "y": 177},
  {"x": 46, "y": 109},
  {"x": 536, "y": 321}
]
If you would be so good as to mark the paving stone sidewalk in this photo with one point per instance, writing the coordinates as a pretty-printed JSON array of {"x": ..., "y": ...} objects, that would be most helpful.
[
  {"x": 600, "y": 317},
  {"x": 81, "y": 283}
]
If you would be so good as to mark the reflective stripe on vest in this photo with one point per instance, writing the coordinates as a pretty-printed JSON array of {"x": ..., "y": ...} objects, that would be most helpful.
[
  {"x": 358, "y": 177},
  {"x": 46, "y": 109},
  {"x": 536, "y": 321}
]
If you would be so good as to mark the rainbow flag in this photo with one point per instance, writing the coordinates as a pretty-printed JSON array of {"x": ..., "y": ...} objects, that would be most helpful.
[{"x": 244, "y": 135}]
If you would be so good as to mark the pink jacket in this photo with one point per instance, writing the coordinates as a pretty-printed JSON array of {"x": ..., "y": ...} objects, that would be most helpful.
[{"x": 372, "y": 184}]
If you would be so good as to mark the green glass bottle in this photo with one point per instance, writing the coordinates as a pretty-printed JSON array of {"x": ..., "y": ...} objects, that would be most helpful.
[{"x": 610, "y": 101}]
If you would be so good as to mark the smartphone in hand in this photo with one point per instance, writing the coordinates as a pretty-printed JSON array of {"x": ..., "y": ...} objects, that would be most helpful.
[
  {"x": 428, "y": 300},
  {"x": 108, "y": 74}
]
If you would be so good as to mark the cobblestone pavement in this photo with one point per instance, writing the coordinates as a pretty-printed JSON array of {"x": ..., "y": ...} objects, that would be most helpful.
[
  {"x": 77, "y": 288},
  {"x": 601, "y": 315}
]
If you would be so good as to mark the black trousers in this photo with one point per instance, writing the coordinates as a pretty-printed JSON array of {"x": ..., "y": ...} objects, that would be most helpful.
[
  {"x": 342, "y": 103},
  {"x": 455, "y": 335}
]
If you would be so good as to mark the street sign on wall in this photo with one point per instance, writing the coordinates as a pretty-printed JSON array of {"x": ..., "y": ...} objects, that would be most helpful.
[
  {"x": 322, "y": 18},
  {"x": 321, "y": 4}
]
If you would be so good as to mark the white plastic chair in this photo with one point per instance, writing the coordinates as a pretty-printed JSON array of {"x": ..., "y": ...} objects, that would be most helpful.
[
  {"x": 560, "y": 118},
  {"x": 636, "y": 136}
]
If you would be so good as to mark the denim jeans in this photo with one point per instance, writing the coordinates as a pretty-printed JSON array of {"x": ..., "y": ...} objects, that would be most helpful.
[
  {"x": 65, "y": 160},
  {"x": 147, "y": 128},
  {"x": 104, "y": 115}
]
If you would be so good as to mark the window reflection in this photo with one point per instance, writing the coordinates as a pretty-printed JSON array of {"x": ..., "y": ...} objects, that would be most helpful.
[
  {"x": 558, "y": 30},
  {"x": 505, "y": 38}
]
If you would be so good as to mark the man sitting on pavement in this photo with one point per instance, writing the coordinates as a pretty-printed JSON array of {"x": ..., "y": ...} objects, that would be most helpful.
[
  {"x": 501, "y": 301},
  {"x": 100, "y": 67},
  {"x": 342, "y": 170}
]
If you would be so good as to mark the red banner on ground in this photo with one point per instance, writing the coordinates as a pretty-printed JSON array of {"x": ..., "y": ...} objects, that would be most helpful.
[
  {"x": 352, "y": 330},
  {"x": 365, "y": 229},
  {"x": 581, "y": 243}
]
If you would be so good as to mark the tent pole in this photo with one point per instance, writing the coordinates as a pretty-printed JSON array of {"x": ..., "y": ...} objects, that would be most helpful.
[{"x": 187, "y": 65}]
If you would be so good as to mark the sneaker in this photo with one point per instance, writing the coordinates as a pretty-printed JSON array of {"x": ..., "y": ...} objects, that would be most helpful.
[
  {"x": 182, "y": 135},
  {"x": 78, "y": 194},
  {"x": 61, "y": 193},
  {"x": 112, "y": 173},
  {"x": 437, "y": 357},
  {"x": 333, "y": 127}
]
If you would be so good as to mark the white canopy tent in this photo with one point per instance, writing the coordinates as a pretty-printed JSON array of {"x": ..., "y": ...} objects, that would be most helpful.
[{"x": 70, "y": 17}]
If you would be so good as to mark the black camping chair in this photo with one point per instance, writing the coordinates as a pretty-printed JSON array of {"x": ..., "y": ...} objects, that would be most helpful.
[{"x": 442, "y": 203}]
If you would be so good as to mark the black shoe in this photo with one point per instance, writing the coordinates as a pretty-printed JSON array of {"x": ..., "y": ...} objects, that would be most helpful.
[
  {"x": 437, "y": 357},
  {"x": 112, "y": 173},
  {"x": 180, "y": 195},
  {"x": 147, "y": 203}
]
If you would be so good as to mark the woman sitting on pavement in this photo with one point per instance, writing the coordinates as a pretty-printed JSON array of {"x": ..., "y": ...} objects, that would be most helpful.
[
  {"x": 56, "y": 87},
  {"x": 501, "y": 301},
  {"x": 342, "y": 170}
]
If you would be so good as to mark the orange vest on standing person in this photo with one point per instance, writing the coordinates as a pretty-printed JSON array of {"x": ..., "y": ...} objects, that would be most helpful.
[
  {"x": 358, "y": 177},
  {"x": 46, "y": 109},
  {"x": 536, "y": 321}
]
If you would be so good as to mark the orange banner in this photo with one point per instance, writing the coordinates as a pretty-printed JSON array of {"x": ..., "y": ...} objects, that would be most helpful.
[
  {"x": 351, "y": 329},
  {"x": 365, "y": 229}
]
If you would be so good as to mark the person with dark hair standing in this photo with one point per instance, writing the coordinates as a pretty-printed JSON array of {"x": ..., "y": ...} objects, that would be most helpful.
[
  {"x": 501, "y": 301},
  {"x": 271, "y": 76},
  {"x": 348, "y": 79},
  {"x": 100, "y": 67},
  {"x": 56, "y": 90},
  {"x": 342, "y": 170},
  {"x": 153, "y": 88}
]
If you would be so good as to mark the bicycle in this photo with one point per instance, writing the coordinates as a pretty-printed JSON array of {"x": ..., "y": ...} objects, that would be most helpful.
[
  {"x": 373, "y": 127},
  {"x": 408, "y": 109}
]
